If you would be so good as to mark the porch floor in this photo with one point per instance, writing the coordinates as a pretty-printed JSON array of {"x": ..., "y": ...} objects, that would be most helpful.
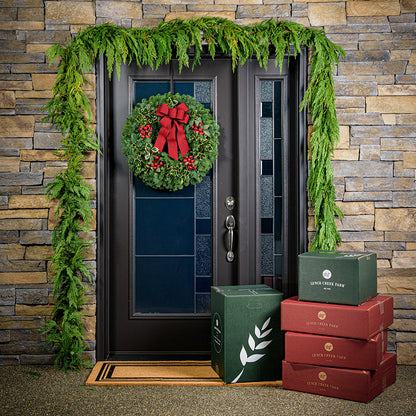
[{"x": 44, "y": 390}]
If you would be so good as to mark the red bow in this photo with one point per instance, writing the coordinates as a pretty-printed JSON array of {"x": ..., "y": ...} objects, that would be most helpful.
[{"x": 172, "y": 129}]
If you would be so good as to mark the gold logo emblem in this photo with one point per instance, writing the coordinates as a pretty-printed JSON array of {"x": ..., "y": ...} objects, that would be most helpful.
[
  {"x": 322, "y": 376},
  {"x": 328, "y": 346},
  {"x": 321, "y": 315}
]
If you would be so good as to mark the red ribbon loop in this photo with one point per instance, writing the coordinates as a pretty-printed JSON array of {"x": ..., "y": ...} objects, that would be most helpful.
[{"x": 172, "y": 130}]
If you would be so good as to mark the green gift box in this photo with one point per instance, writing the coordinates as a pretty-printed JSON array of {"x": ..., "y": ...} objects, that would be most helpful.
[
  {"x": 246, "y": 340},
  {"x": 343, "y": 277}
]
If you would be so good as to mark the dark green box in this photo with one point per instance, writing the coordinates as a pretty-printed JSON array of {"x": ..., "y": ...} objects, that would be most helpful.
[
  {"x": 246, "y": 340},
  {"x": 343, "y": 277}
]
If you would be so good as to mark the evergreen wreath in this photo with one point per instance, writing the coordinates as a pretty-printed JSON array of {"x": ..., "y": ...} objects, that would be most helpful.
[
  {"x": 69, "y": 110},
  {"x": 150, "y": 128}
]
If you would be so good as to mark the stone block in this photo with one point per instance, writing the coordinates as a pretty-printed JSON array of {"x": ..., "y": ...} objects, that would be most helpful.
[
  {"x": 18, "y": 347},
  {"x": 21, "y": 178},
  {"x": 70, "y": 12},
  {"x": 30, "y": 201},
  {"x": 405, "y": 301},
  {"x": 17, "y": 126},
  {"x": 403, "y": 325},
  {"x": 355, "y": 223},
  {"x": 9, "y": 164},
  {"x": 400, "y": 172},
  {"x": 21, "y": 224},
  {"x": 349, "y": 102},
  {"x": 383, "y": 131},
  {"x": 21, "y": 322},
  {"x": 388, "y": 184},
  {"x": 32, "y": 296},
  {"x": 31, "y": 13},
  {"x": 263, "y": 11},
  {"x": 24, "y": 213},
  {"x": 38, "y": 155},
  {"x": 190, "y": 15},
  {"x": 351, "y": 246},
  {"x": 356, "y": 208},
  {"x": 373, "y": 8},
  {"x": 7, "y": 310},
  {"x": 35, "y": 237},
  {"x": 371, "y": 68},
  {"x": 9, "y": 146},
  {"x": 370, "y": 152},
  {"x": 39, "y": 252},
  {"x": 7, "y": 99},
  {"x": 10, "y": 85},
  {"x": 327, "y": 14},
  {"x": 9, "y": 360},
  {"x": 409, "y": 160},
  {"x": 395, "y": 219},
  {"x": 362, "y": 169},
  {"x": 408, "y": 6},
  {"x": 354, "y": 184},
  {"x": 389, "y": 119},
  {"x": 392, "y": 104},
  {"x": 404, "y": 199},
  {"x": 33, "y": 310},
  {"x": 400, "y": 90},
  {"x": 121, "y": 9},
  {"x": 406, "y": 336},
  {"x": 4, "y": 335},
  {"x": 43, "y": 140},
  {"x": 38, "y": 359},
  {"x": 89, "y": 323},
  {"x": 7, "y": 297},
  {"x": 396, "y": 285},
  {"x": 11, "y": 251},
  {"x": 344, "y": 154},
  {"x": 368, "y": 196},
  {"x": 349, "y": 236},
  {"x": 400, "y": 143},
  {"x": 11, "y": 278},
  {"x": 400, "y": 236}
]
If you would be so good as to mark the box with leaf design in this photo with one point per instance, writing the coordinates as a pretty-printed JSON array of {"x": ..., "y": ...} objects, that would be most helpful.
[{"x": 246, "y": 340}]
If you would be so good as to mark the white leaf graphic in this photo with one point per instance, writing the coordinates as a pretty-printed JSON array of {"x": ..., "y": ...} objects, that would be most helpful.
[
  {"x": 251, "y": 342},
  {"x": 265, "y": 325},
  {"x": 264, "y": 334},
  {"x": 257, "y": 332},
  {"x": 243, "y": 356},
  {"x": 255, "y": 357},
  {"x": 262, "y": 345},
  {"x": 236, "y": 379}
]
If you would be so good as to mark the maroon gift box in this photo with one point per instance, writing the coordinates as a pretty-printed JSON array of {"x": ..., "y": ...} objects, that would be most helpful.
[
  {"x": 344, "y": 383},
  {"x": 362, "y": 322},
  {"x": 335, "y": 351}
]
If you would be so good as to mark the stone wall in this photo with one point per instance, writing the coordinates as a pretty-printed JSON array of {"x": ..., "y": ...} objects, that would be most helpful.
[{"x": 374, "y": 164}]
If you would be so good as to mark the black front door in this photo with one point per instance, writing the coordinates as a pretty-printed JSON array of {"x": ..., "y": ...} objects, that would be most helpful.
[{"x": 162, "y": 251}]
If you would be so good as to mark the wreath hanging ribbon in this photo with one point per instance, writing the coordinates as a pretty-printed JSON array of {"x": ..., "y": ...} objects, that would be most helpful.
[
  {"x": 172, "y": 130},
  {"x": 179, "y": 121}
]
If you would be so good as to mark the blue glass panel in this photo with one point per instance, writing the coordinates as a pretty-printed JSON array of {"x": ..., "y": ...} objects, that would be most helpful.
[
  {"x": 184, "y": 88},
  {"x": 144, "y": 191},
  {"x": 277, "y": 168},
  {"x": 278, "y": 109},
  {"x": 266, "y": 255},
  {"x": 203, "y": 303},
  {"x": 203, "y": 284},
  {"x": 164, "y": 226},
  {"x": 278, "y": 224},
  {"x": 267, "y": 109},
  {"x": 278, "y": 259},
  {"x": 203, "y": 255},
  {"x": 266, "y": 138},
  {"x": 203, "y": 91},
  {"x": 266, "y": 90},
  {"x": 164, "y": 285},
  {"x": 203, "y": 226},
  {"x": 267, "y": 167},
  {"x": 145, "y": 89},
  {"x": 203, "y": 196},
  {"x": 266, "y": 196},
  {"x": 267, "y": 225}
]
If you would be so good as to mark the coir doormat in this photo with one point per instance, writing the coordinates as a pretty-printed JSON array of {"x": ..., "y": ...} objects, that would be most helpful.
[{"x": 180, "y": 373}]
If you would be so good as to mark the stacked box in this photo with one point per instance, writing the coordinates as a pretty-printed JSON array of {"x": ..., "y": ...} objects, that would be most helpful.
[
  {"x": 340, "y": 277},
  {"x": 337, "y": 340},
  {"x": 246, "y": 340}
]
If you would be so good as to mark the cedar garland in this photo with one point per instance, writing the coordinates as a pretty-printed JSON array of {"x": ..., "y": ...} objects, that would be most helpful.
[{"x": 69, "y": 110}]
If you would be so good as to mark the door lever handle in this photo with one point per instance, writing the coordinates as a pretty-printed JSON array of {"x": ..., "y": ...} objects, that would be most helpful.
[{"x": 230, "y": 225}]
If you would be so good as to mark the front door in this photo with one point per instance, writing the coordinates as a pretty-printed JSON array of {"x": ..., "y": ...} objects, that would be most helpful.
[{"x": 164, "y": 250}]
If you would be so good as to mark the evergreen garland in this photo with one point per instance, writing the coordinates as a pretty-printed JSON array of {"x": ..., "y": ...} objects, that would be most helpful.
[{"x": 69, "y": 110}]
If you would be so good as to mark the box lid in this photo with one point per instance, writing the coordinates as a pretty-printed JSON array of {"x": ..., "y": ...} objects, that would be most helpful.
[
  {"x": 341, "y": 255},
  {"x": 246, "y": 290}
]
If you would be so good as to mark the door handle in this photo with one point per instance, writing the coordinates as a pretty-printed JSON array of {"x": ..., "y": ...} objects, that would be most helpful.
[{"x": 230, "y": 225}]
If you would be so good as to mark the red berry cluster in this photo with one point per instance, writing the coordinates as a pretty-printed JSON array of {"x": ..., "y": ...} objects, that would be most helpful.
[
  {"x": 189, "y": 162},
  {"x": 198, "y": 128},
  {"x": 157, "y": 163},
  {"x": 145, "y": 131}
]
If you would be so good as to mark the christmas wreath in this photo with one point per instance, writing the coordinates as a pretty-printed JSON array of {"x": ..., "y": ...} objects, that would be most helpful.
[{"x": 182, "y": 126}]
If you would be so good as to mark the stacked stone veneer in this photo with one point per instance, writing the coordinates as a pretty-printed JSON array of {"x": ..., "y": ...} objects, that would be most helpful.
[{"x": 374, "y": 164}]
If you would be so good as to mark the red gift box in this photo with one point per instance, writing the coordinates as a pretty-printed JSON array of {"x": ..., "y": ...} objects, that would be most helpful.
[
  {"x": 344, "y": 383},
  {"x": 362, "y": 322},
  {"x": 335, "y": 351}
]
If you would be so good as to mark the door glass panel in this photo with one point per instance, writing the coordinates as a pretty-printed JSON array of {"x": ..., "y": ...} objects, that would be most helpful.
[
  {"x": 270, "y": 123},
  {"x": 173, "y": 231}
]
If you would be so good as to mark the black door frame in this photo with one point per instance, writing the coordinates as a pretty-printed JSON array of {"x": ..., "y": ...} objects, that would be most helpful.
[{"x": 295, "y": 205}]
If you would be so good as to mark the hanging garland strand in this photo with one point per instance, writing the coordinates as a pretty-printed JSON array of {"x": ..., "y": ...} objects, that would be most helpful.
[{"x": 70, "y": 111}]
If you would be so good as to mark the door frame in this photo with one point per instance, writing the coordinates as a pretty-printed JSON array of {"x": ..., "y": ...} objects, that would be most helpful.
[{"x": 295, "y": 205}]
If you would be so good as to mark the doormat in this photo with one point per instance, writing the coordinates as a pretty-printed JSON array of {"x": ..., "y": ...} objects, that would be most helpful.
[{"x": 173, "y": 373}]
